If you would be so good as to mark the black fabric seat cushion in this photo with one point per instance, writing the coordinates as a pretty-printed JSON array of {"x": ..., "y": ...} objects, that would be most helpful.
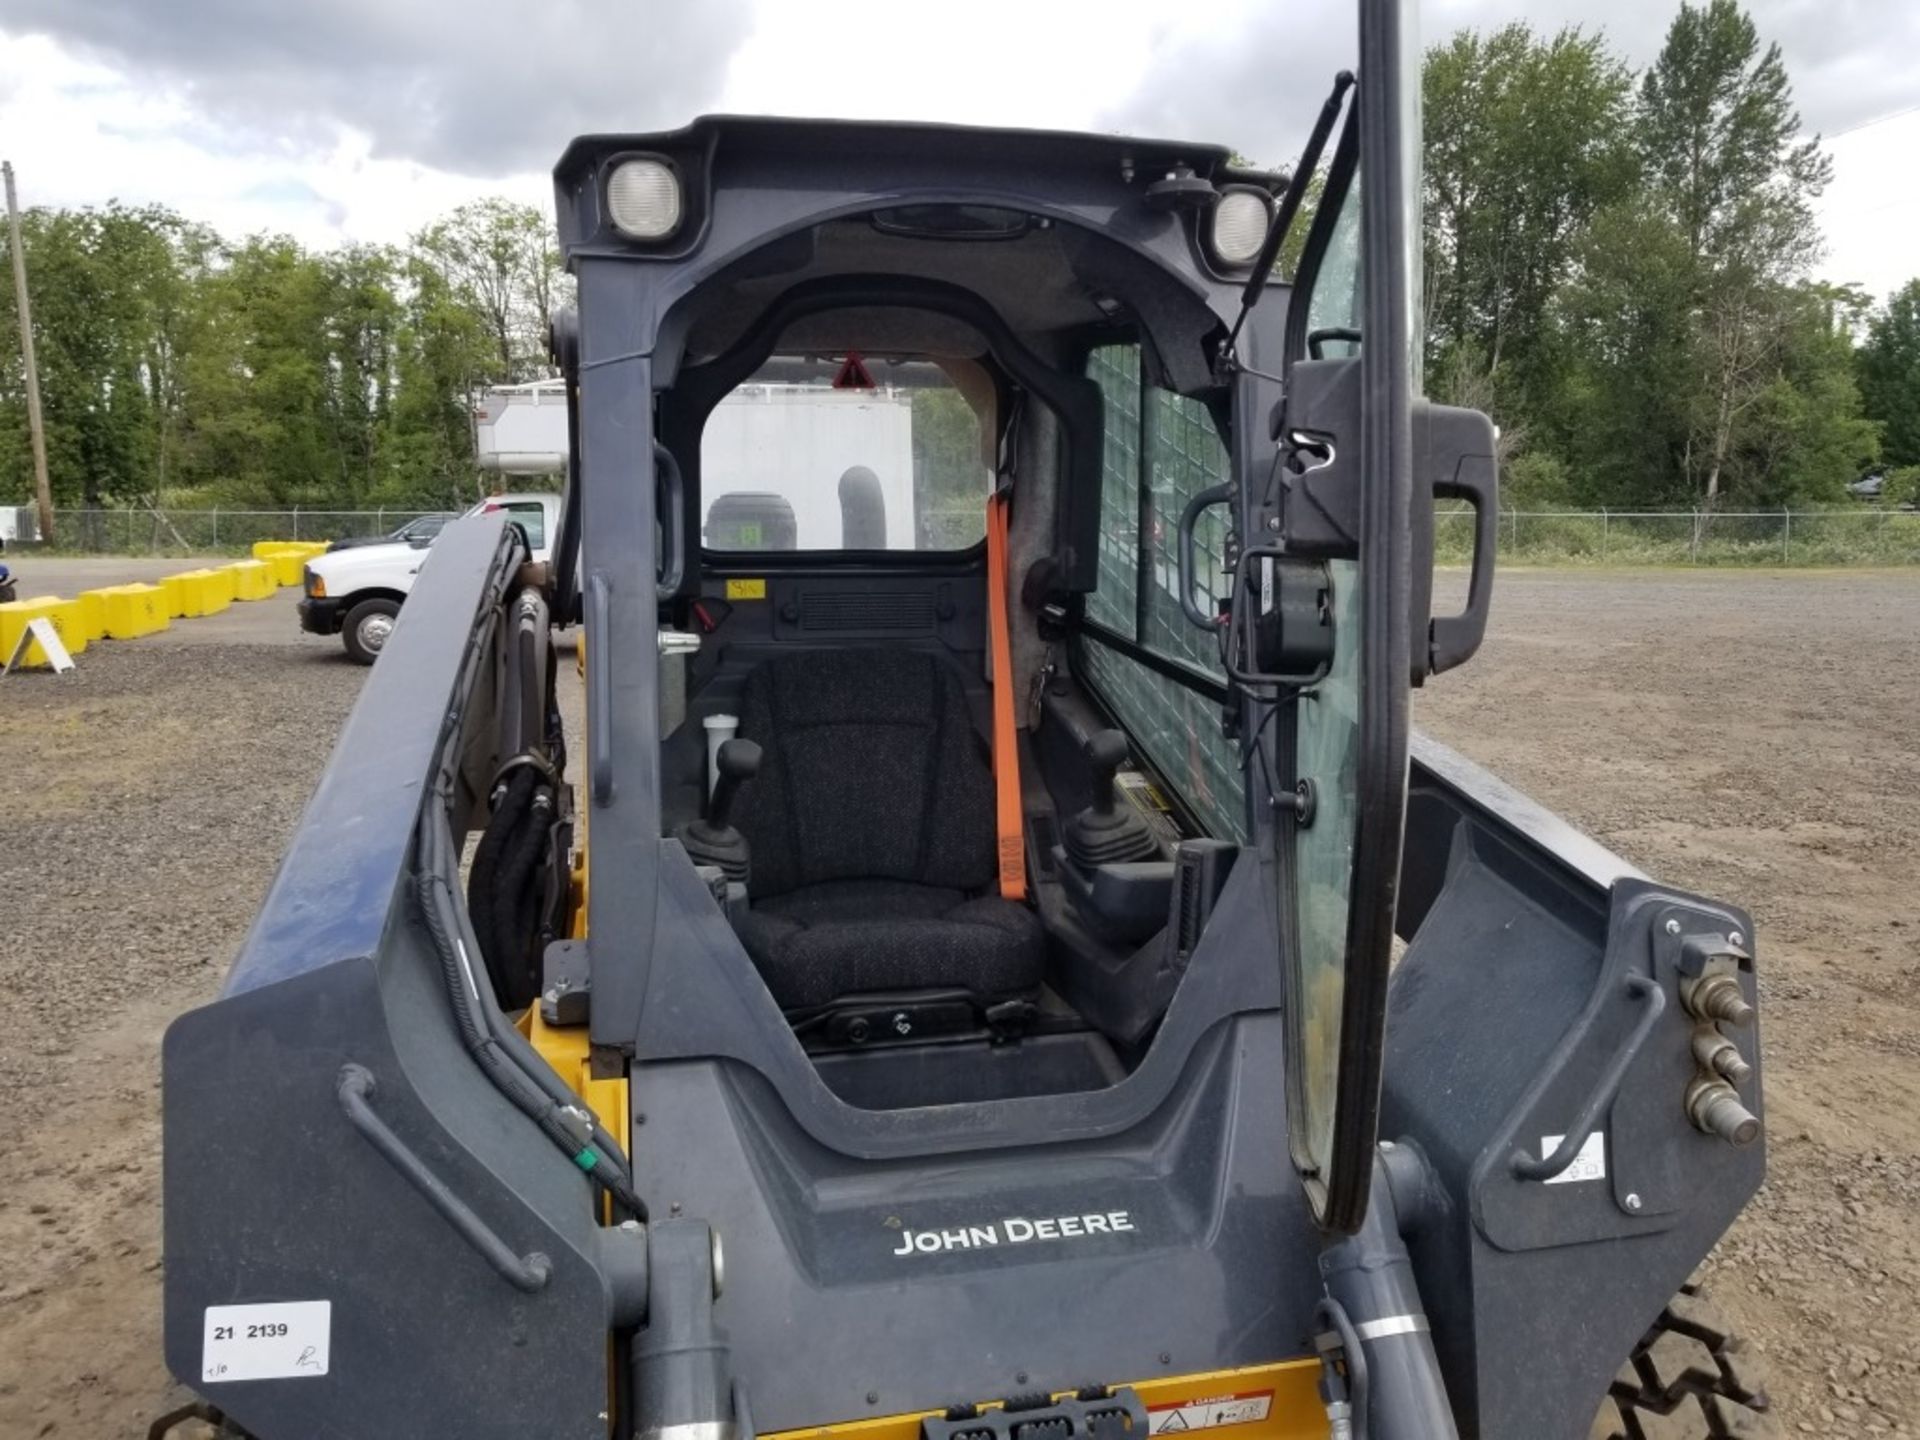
[
  {"x": 871, "y": 823},
  {"x": 822, "y": 943},
  {"x": 870, "y": 770}
]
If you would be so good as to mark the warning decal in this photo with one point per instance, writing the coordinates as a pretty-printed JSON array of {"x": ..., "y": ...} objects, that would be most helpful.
[
  {"x": 853, "y": 374},
  {"x": 1209, "y": 1413}
]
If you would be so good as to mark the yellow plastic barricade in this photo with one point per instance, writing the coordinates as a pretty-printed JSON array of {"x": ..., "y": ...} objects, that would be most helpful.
[
  {"x": 93, "y": 612},
  {"x": 252, "y": 579},
  {"x": 197, "y": 592},
  {"x": 182, "y": 594},
  {"x": 223, "y": 588},
  {"x": 268, "y": 549},
  {"x": 65, "y": 615},
  {"x": 288, "y": 566},
  {"x": 134, "y": 610}
]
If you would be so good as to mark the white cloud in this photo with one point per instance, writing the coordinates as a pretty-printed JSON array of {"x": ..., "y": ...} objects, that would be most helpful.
[
  {"x": 93, "y": 115},
  {"x": 1871, "y": 212},
  {"x": 998, "y": 62},
  {"x": 80, "y": 133}
]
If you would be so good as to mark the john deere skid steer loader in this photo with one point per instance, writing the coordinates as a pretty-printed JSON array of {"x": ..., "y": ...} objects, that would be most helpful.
[{"x": 988, "y": 960}]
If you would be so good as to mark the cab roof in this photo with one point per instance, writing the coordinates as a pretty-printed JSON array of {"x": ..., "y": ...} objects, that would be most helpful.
[{"x": 906, "y": 140}]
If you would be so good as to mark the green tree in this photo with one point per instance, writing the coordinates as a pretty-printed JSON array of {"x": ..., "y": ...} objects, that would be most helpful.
[
  {"x": 1807, "y": 436},
  {"x": 1720, "y": 139},
  {"x": 110, "y": 289},
  {"x": 1622, "y": 355},
  {"x": 500, "y": 258},
  {"x": 444, "y": 351},
  {"x": 1889, "y": 371},
  {"x": 1526, "y": 140}
]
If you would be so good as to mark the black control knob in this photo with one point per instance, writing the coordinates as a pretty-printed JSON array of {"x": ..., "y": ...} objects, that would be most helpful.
[
  {"x": 713, "y": 840},
  {"x": 1106, "y": 752},
  {"x": 737, "y": 762},
  {"x": 1108, "y": 831}
]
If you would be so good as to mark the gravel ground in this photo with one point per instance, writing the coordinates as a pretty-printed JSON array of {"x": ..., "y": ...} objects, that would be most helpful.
[
  {"x": 1748, "y": 735},
  {"x": 145, "y": 799},
  {"x": 1754, "y": 737}
]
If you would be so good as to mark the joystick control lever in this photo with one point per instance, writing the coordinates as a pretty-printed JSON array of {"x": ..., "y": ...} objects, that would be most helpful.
[
  {"x": 737, "y": 762},
  {"x": 1109, "y": 831},
  {"x": 713, "y": 840}
]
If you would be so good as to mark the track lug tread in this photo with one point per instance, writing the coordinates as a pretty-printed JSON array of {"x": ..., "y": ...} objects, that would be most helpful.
[
  {"x": 1689, "y": 1378},
  {"x": 1681, "y": 1364}
]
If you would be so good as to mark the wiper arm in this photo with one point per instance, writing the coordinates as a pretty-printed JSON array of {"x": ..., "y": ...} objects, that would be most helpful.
[{"x": 1290, "y": 204}]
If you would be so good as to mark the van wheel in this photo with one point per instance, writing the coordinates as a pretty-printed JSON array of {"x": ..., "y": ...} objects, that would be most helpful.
[
  {"x": 367, "y": 627},
  {"x": 1689, "y": 1378}
]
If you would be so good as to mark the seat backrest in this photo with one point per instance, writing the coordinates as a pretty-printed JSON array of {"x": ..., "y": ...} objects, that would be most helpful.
[{"x": 871, "y": 770}]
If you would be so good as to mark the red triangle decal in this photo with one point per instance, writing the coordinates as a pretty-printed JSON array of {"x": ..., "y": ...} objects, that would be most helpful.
[{"x": 853, "y": 374}]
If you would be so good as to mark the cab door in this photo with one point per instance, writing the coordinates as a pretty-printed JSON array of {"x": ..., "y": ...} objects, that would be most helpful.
[{"x": 1343, "y": 515}]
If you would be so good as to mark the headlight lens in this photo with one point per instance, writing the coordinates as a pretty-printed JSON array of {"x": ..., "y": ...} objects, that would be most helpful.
[
  {"x": 643, "y": 197},
  {"x": 316, "y": 587},
  {"x": 1240, "y": 221}
]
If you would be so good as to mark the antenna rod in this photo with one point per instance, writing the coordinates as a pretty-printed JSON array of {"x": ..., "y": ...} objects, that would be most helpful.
[
  {"x": 1290, "y": 203},
  {"x": 43, "y": 493}
]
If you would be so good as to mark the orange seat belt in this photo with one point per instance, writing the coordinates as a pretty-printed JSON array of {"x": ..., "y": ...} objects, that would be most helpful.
[{"x": 1012, "y": 847}]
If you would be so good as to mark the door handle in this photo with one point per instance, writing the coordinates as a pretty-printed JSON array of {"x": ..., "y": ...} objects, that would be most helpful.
[
  {"x": 1183, "y": 547},
  {"x": 1452, "y": 639},
  {"x": 528, "y": 1272},
  {"x": 1654, "y": 999},
  {"x": 600, "y": 686},
  {"x": 670, "y": 504}
]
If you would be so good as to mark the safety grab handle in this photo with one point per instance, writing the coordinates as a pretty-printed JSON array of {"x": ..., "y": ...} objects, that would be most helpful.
[
  {"x": 1452, "y": 639},
  {"x": 1525, "y": 1166},
  {"x": 1183, "y": 545},
  {"x": 669, "y": 493},
  {"x": 600, "y": 686},
  {"x": 528, "y": 1272}
]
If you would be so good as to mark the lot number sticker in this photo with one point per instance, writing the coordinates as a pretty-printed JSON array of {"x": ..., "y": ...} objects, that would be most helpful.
[
  {"x": 1209, "y": 1413},
  {"x": 281, "y": 1341}
]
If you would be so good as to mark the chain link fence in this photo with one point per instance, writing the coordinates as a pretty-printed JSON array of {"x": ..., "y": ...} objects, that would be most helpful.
[
  {"x": 1539, "y": 537},
  {"x": 200, "y": 532},
  {"x": 1690, "y": 537}
]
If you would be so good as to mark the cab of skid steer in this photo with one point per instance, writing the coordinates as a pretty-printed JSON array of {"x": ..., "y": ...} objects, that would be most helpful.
[{"x": 942, "y": 986}]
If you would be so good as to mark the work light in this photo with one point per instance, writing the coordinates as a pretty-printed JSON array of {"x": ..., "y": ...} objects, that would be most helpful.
[
  {"x": 643, "y": 197},
  {"x": 1240, "y": 220}
]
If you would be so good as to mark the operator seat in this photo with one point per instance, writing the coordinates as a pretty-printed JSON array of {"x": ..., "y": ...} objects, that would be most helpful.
[{"x": 871, "y": 823}]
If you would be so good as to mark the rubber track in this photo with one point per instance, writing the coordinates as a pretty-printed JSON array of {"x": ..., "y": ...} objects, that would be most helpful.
[{"x": 1689, "y": 1378}]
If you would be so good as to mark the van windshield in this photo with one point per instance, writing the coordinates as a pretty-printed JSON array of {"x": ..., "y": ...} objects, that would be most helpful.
[{"x": 845, "y": 452}]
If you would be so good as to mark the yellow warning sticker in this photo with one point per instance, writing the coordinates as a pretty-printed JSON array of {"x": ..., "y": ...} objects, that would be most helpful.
[
  {"x": 746, "y": 589},
  {"x": 1209, "y": 1413}
]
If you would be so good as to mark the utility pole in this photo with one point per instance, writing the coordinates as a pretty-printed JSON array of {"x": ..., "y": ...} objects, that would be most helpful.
[{"x": 42, "y": 491}]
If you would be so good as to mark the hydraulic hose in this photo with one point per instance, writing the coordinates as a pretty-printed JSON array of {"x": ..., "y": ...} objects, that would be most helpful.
[
  {"x": 556, "y": 1110},
  {"x": 516, "y": 906},
  {"x": 501, "y": 1051},
  {"x": 505, "y": 855}
]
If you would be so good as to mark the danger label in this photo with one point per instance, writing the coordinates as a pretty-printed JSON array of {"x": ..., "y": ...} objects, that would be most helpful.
[{"x": 1209, "y": 1413}]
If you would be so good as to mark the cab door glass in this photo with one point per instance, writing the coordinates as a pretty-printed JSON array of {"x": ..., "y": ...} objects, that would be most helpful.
[
  {"x": 1353, "y": 353},
  {"x": 1326, "y": 753},
  {"x": 1333, "y": 309}
]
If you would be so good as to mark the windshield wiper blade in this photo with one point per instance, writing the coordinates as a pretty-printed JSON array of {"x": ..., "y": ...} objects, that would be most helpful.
[{"x": 1290, "y": 203}]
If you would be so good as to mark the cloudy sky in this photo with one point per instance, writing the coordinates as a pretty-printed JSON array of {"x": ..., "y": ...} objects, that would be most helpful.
[{"x": 362, "y": 119}]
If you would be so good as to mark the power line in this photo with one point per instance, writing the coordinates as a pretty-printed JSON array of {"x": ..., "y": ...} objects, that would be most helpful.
[{"x": 1869, "y": 124}]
